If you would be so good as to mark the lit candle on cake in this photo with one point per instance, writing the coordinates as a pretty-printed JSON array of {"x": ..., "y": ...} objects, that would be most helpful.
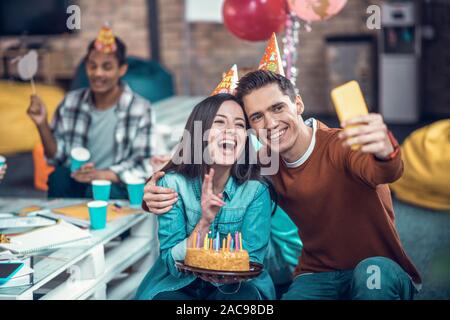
[
  {"x": 205, "y": 242},
  {"x": 223, "y": 244},
  {"x": 228, "y": 242},
  {"x": 236, "y": 241},
  {"x": 217, "y": 241},
  {"x": 240, "y": 240},
  {"x": 209, "y": 240}
]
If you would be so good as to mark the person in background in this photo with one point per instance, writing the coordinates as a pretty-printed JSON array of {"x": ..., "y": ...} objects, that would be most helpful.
[
  {"x": 158, "y": 162},
  {"x": 108, "y": 119}
]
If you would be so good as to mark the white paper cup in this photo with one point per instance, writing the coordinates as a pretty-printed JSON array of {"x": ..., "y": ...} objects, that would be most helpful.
[
  {"x": 135, "y": 188},
  {"x": 78, "y": 157},
  {"x": 101, "y": 182},
  {"x": 134, "y": 180},
  {"x": 101, "y": 189},
  {"x": 98, "y": 213}
]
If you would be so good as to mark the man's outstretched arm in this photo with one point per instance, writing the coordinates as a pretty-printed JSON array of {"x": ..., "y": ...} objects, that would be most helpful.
[
  {"x": 158, "y": 200},
  {"x": 378, "y": 159}
]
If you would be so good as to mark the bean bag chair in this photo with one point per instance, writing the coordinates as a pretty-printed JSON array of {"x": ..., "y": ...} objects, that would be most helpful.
[
  {"x": 17, "y": 132},
  {"x": 147, "y": 78},
  {"x": 426, "y": 178},
  {"x": 41, "y": 169}
]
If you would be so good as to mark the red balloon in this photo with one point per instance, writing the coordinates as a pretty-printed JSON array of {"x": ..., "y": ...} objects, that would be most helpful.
[{"x": 254, "y": 20}]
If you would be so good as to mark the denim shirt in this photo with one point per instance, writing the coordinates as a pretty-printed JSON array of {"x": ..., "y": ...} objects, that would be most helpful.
[{"x": 247, "y": 209}]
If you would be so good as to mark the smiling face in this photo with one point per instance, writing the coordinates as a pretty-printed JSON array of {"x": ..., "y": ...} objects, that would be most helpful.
[
  {"x": 103, "y": 71},
  {"x": 274, "y": 117},
  {"x": 227, "y": 136}
]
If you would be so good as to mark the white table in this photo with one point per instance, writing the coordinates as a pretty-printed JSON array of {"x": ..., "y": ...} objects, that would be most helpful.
[{"x": 95, "y": 270}]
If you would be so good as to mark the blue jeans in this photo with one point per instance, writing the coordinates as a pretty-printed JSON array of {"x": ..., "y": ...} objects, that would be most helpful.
[
  {"x": 61, "y": 185},
  {"x": 202, "y": 290},
  {"x": 375, "y": 278}
]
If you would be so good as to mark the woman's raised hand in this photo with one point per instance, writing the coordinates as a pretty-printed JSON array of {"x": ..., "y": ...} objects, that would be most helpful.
[{"x": 210, "y": 202}]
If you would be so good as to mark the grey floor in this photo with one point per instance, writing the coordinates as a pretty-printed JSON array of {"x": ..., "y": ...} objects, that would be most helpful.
[{"x": 425, "y": 234}]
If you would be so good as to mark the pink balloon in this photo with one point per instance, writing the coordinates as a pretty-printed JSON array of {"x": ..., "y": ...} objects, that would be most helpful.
[{"x": 316, "y": 10}]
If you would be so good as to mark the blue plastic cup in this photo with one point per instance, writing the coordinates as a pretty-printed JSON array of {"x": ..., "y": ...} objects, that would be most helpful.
[
  {"x": 101, "y": 189},
  {"x": 97, "y": 213},
  {"x": 78, "y": 157},
  {"x": 2, "y": 161},
  {"x": 135, "y": 192}
]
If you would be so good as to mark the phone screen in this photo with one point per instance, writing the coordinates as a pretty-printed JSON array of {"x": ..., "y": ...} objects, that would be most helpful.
[{"x": 6, "y": 269}]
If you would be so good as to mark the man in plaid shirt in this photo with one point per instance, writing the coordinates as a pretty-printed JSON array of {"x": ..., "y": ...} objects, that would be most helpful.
[{"x": 108, "y": 119}]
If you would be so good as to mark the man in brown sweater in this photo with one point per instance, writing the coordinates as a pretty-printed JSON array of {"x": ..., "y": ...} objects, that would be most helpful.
[{"x": 338, "y": 197}]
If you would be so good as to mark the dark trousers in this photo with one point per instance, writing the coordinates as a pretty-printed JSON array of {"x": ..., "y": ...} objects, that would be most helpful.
[
  {"x": 202, "y": 290},
  {"x": 375, "y": 278},
  {"x": 61, "y": 185}
]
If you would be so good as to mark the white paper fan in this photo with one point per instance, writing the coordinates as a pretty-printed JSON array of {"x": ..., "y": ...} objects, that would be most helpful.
[
  {"x": 28, "y": 64},
  {"x": 27, "y": 67}
]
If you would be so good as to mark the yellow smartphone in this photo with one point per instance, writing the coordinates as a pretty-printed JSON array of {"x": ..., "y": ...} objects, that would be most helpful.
[{"x": 349, "y": 103}]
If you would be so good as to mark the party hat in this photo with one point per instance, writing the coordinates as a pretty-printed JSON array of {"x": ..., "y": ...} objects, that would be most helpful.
[
  {"x": 228, "y": 83},
  {"x": 105, "y": 42},
  {"x": 271, "y": 59}
]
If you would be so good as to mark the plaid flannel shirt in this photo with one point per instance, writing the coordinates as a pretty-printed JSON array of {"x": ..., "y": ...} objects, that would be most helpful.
[{"x": 133, "y": 138}]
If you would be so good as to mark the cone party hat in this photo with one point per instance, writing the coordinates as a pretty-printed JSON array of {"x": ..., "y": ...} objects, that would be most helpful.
[
  {"x": 271, "y": 59},
  {"x": 105, "y": 42},
  {"x": 228, "y": 83}
]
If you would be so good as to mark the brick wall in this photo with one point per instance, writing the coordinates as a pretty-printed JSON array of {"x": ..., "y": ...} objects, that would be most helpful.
[
  {"x": 127, "y": 17},
  {"x": 200, "y": 52},
  {"x": 436, "y": 61}
]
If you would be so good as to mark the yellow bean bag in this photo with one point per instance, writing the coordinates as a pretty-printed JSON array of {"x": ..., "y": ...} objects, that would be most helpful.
[
  {"x": 17, "y": 132},
  {"x": 426, "y": 179}
]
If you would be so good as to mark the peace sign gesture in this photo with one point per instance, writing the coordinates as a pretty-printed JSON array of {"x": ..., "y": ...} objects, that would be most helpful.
[{"x": 210, "y": 202}]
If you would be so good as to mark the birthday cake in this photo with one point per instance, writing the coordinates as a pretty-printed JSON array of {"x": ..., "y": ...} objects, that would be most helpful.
[
  {"x": 217, "y": 260},
  {"x": 229, "y": 257}
]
